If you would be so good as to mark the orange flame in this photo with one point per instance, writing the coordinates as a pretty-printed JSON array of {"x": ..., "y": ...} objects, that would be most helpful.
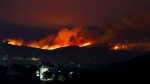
[
  {"x": 116, "y": 47},
  {"x": 65, "y": 37},
  {"x": 18, "y": 42},
  {"x": 85, "y": 44},
  {"x": 120, "y": 47}
]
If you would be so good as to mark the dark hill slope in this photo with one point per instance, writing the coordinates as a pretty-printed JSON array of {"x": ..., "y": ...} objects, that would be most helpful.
[
  {"x": 88, "y": 57},
  {"x": 136, "y": 70}
]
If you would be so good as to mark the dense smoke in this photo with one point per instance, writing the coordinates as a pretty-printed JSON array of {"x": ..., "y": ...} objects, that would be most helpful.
[{"x": 131, "y": 31}]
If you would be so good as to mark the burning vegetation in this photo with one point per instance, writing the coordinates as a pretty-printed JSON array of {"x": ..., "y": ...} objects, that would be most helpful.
[
  {"x": 65, "y": 37},
  {"x": 131, "y": 32}
]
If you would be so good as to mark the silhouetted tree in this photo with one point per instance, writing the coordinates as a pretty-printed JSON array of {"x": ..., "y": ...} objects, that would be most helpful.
[
  {"x": 31, "y": 70},
  {"x": 2, "y": 71},
  {"x": 46, "y": 75}
]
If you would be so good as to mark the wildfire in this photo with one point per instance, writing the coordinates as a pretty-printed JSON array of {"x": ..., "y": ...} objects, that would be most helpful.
[
  {"x": 47, "y": 47},
  {"x": 64, "y": 38},
  {"x": 119, "y": 47},
  {"x": 116, "y": 47},
  {"x": 85, "y": 44},
  {"x": 18, "y": 42}
]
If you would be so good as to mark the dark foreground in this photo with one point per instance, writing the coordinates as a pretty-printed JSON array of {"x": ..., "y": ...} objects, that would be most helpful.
[{"x": 131, "y": 71}]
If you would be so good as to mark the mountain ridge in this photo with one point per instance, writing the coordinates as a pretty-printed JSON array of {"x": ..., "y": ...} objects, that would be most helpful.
[{"x": 71, "y": 55}]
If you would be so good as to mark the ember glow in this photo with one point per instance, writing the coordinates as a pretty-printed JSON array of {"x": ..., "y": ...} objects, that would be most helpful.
[
  {"x": 116, "y": 47},
  {"x": 85, "y": 44},
  {"x": 18, "y": 42},
  {"x": 121, "y": 47},
  {"x": 64, "y": 38}
]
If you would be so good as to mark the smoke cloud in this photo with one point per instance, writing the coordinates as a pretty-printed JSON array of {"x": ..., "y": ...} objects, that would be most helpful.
[{"x": 129, "y": 25}]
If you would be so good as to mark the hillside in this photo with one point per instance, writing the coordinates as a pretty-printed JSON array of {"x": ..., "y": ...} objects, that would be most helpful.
[
  {"x": 85, "y": 57},
  {"x": 136, "y": 70}
]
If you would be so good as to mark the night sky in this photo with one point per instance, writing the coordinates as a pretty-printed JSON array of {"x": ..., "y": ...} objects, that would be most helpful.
[{"x": 103, "y": 21}]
